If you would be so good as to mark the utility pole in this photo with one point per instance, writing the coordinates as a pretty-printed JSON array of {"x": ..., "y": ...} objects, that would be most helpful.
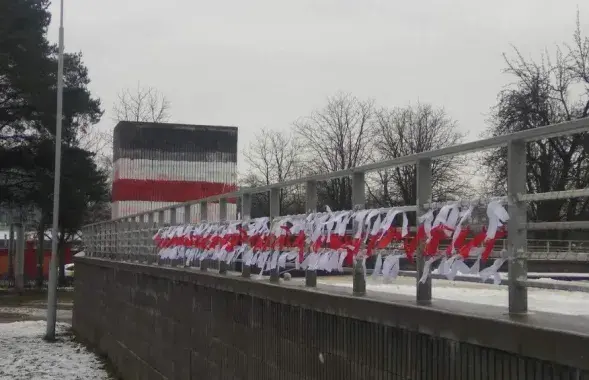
[{"x": 52, "y": 291}]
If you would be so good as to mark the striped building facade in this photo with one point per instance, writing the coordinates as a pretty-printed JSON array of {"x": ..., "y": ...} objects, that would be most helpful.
[{"x": 159, "y": 164}]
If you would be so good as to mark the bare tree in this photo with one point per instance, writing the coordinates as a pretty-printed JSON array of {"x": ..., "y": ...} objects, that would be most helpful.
[
  {"x": 274, "y": 156},
  {"x": 142, "y": 104},
  {"x": 552, "y": 90},
  {"x": 409, "y": 130},
  {"x": 99, "y": 143},
  {"x": 334, "y": 138}
]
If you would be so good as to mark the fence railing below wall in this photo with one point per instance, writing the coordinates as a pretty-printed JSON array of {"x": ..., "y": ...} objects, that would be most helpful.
[{"x": 131, "y": 237}]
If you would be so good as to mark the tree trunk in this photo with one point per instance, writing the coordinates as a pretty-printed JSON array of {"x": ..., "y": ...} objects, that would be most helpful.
[
  {"x": 11, "y": 252},
  {"x": 40, "y": 254}
]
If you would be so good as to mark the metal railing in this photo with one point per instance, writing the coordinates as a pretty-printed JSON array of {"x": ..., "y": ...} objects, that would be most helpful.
[{"x": 131, "y": 236}]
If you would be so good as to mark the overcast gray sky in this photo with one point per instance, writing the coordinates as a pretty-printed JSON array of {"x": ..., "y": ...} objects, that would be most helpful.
[{"x": 264, "y": 63}]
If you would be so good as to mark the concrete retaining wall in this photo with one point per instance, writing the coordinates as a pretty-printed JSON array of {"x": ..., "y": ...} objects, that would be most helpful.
[{"x": 165, "y": 323}]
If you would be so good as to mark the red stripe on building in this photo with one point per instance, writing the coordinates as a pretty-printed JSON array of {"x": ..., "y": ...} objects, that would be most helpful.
[{"x": 167, "y": 191}]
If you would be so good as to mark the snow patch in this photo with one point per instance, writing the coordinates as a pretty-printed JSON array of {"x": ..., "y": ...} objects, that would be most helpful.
[
  {"x": 25, "y": 355},
  {"x": 550, "y": 301}
]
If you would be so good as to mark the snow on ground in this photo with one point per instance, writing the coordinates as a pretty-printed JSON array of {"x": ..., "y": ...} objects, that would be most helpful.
[
  {"x": 25, "y": 355},
  {"x": 552, "y": 301},
  {"x": 549, "y": 277}
]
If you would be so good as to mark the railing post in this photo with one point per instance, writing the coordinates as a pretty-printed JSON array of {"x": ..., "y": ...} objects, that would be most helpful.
[
  {"x": 151, "y": 229},
  {"x": 99, "y": 233},
  {"x": 172, "y": 216},
  {"x": 187, "y": 219},
  {"x": 121, "y": 233},
  {"x": 161, "y": 224},
  {"x": 517, "y": 232},
  {"x": 106, "y": 232},
  {"x": 120, "y": 247},
  {"x": 358, "y": 190},
  {"x": 311, "y": 207},
  {"x": 87, "y": 239},
  {"x": 112, "y": 229},
  {"x": 246, "y": 214},
  {"x": 222, "y": 218},
  {"x": 114, "y": 241},
  {"x": 204, "y": 208},
  {"x": 140, "y": 239},
  {"x": 187, "y": 214},
  {"x": 223, "y": 209},
  {"x": 246, "y": 206},
  {"x": 274, "y": 213},
  {"x": 104, "y": 236},
  {"x": 137, "y": 238},
  {"x": 424, "y": 194},
  {"x": 95, "y": 241},
  {"x": 203, "y": 217},
  {"x": 311, "y": 196},
  {"x": 173, "y": 213},
  {"x": 128, "y": 238},
  {"x": 359, "y": 202}
]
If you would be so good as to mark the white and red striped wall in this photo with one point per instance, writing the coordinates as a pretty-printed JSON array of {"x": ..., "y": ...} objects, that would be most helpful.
[{"x": 159, "y": 165}]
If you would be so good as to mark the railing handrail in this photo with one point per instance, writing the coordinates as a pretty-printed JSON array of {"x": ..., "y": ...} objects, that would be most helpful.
[{"x": 554, "y": 130}]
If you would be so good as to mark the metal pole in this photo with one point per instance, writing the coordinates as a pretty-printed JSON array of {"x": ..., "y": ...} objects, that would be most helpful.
[
  {"x": 311, "y": 196},
  {"x": 274, "y": 212},
  {"x": 222, "y": 217},
  {"x": 516, "y": 235},
  {"x": 358, "y": 190},
  {"x": 52, "y": 291},
  {"x": 311, "y": 207},
  {"x": 153, "y": 257},
  {"x": 246, "y": 206},
  {"x": 204, "y": 214},
  {"x": 359, "y": 202},
  {"x": 246, "y": 214},
  {"x": 173, "y": 223},
  {"x": 424, "y": 193},
  {"x": 161, "y": 223}
]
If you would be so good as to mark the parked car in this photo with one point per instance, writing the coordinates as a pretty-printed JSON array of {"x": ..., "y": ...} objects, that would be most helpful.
[{"x": 69, "y": 273}]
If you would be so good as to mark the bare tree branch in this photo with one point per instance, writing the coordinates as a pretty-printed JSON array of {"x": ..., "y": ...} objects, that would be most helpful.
[
  {"x": 145, "y": 104},
  {"x": 409, "y": 130},
  {"x": 334, "y": 138},
  {"x": 275, "y": 156},
  {"x": 551, "y": 90}
]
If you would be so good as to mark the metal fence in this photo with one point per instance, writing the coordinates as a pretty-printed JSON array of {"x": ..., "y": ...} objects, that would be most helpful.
[{"x": 131, "y": 236}]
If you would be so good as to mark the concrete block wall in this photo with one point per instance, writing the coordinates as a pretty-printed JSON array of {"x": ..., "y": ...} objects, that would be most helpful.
[{"x": 166, "y": 323}]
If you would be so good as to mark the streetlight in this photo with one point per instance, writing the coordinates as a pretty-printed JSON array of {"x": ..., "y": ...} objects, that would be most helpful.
[{"x": 52, "y": 291}]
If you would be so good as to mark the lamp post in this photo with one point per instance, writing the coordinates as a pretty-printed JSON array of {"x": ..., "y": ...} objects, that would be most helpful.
[{"x": 52, "y": 291}]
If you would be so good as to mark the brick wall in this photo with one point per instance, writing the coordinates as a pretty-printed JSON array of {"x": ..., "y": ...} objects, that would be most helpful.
[{"x": 165, "y": 323}]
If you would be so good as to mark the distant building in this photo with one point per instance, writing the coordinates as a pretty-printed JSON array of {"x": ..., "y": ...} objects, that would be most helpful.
[{"x": 160, "y": 164}]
